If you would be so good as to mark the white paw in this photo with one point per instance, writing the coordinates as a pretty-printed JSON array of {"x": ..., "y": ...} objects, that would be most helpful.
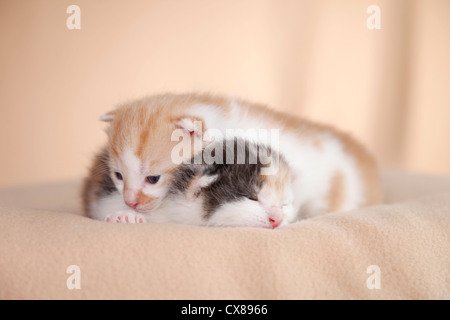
[{"x": 125, "y": 217}]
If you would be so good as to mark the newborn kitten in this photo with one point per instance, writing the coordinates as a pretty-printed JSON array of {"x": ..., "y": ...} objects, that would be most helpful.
[
  {"x": 331, "y": 171},
  {"x": 230, "y": 193}
]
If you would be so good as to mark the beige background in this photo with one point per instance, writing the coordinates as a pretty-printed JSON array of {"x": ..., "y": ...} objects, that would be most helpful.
[{"x": 389, "y": 87}]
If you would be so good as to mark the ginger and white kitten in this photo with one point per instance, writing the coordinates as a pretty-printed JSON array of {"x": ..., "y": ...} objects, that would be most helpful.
[{"x": 332, "y": 172}]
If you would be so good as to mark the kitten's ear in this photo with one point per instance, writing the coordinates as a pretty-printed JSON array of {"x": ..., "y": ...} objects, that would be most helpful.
[
  {"x": 197, "y": 184},
  {"x": 194, "y": 126},
  {"x": 108, "y": 117}
]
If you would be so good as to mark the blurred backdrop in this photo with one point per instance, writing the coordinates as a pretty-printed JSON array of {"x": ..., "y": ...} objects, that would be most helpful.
[{"x": 390, "y": 88}]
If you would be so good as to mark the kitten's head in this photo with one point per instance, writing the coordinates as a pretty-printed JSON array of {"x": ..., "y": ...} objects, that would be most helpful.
[
  {"x": 275, "y": 196},
  {"x": 258, "y": 200},
  {"x": 234, "y": 194},
  {"x": 141, "y": 150}
]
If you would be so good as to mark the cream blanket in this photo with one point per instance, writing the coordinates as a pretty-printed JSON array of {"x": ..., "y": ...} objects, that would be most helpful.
[{"x": 399, "y": 250}]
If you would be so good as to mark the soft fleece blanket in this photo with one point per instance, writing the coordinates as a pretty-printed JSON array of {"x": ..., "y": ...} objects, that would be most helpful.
[{"x": 398, "y": 250}]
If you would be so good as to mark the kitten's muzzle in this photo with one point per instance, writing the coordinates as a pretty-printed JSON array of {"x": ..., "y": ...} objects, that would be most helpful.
[
  {"x": 275, "y": 216},
  {"x": 132, "y": 204}
]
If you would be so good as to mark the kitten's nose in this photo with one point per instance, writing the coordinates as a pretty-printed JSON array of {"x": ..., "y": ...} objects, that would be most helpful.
[
  {"x": 132, "y": 205},
  {"x": 275, "y": 216},
  {"x": 275, "y": 222}
]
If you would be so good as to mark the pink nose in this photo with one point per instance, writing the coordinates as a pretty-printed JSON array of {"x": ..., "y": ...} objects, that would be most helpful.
[
  {"x": 132, "y": 205},
  {"x": 275, "y": 222},
  {"x": 275, "y": 216}
]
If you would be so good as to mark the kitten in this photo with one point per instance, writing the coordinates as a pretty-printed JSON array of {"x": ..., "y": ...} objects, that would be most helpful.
[
  {"x": 225, "y": 193},
  {"x": 331, "y": 171}
]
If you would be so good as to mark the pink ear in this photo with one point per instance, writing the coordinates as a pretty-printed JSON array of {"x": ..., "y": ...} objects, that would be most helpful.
[
  {"x": 186, "y": 124},
  {"x": 107, "y": 117},
  {"x": 197, "y": 184},
  {"x": 191, "y": 125}
]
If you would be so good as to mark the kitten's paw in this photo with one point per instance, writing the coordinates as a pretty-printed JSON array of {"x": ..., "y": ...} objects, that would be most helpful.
[{"x": 125, "y": 217}]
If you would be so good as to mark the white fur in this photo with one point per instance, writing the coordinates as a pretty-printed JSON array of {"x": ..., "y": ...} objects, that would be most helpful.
[
  {"x": 241, "y": 213},
  {"x": 185, "y": 208},
  {"x": 179, "y": 210},
  {"x": 135, "y": 176},
  {"x": 313, "y": 168},
  {"x": 107, "y": 205}
]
